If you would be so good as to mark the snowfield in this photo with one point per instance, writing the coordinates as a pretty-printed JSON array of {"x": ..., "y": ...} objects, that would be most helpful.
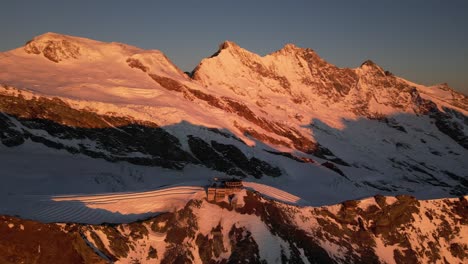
[
  {"x": 122, "y": 207},
  {"x": 119, "y": 207}
]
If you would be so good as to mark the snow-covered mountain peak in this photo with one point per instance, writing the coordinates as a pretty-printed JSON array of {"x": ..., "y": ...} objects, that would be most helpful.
[
  {"x": 291, "y": 73},
  {"x": 293, "y": 48},
  {"x": 289, "y": 48},
  {"x": 229, "y": 58},
  {"x": 227, "y": 44},
  {"x": 62, "y": 65},
  {"x": 60, "y": 48},
  {"x": 369, "y": 66},
  {"x": 53, "y": 36},
  {"x": 54, "y": 47},
  {"x": 368, "y": 63}
]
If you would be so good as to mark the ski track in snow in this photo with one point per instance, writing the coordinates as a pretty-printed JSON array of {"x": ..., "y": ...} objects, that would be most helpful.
[
  {"x": 273, "y": 192},
  {"x": 121, "y": 207}
]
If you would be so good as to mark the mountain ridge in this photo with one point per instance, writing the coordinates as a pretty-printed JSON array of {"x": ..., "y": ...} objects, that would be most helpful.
[
  {"x": 289, "y": 105},
  {"x": 31, "y": 47},
  {"x": 97, "y": 132}
]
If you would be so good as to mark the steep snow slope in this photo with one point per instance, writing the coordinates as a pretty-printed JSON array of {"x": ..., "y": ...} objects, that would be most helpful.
[
  {"x": 296, "y": 85},
  {"x": 289, "y": 119},
  {"x": 82, "y": 68},
  {"x": 443, "y": 95}
]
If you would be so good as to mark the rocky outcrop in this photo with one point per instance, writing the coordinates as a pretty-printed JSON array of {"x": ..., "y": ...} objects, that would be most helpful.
[
  {"x": 23, "y": 241},
  {"x": 53, "y": 49},
  {"x": 230, "y": 159},
  {"x": 135, "y": 63},
  {"x": 115, "y": 138},
  {"x": 451, "y": 123},
  {"x": 374, "y": 230}
]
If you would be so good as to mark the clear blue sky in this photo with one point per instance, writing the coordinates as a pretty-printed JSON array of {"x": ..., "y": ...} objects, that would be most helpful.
[{"x": 425, "y": 41}]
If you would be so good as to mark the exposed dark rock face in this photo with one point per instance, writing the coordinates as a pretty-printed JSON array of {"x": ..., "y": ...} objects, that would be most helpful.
[
  {"x": 248, "y": 131},
  {"x": 252, "y": 166},
  {"x": 338, "y": 83},
  {"x": 298, "y": 140},
  {"x": 243, "y": 247},
  {"x": 207, "y": 155},
  {"x": 10, "y": 137},
  {"x": 115, "y": 138},
  {"x": 450, "y": 123},
  {"x": 280, "y": 224},
  {"x": 210, "y": 248},
  {"x": 167, "y": 83},
  {"x": 135, "y": 63},
  {"x": 210, "y": 99},
  {"x": 229, "y": 159},
  {"x": 324, "y": 153},
  {"x": 183, "y": 226},
  {"x": 152, "y": 253},
  {"x": 118, "y": 242},
  {"x": 334, "y": 168},
  {"x": 23, "y": 241},
  {"x": 463, "y": 187},
  {"x": 266, "y": 168},
  {"x": 54, "y": 50}
]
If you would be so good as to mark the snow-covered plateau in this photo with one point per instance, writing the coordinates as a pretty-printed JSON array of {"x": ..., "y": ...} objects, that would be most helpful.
[{"x": 118, "y": 144}]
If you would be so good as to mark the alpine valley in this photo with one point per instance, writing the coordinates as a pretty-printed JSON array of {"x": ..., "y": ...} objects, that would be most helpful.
[{"x": 106, "y": 151}]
